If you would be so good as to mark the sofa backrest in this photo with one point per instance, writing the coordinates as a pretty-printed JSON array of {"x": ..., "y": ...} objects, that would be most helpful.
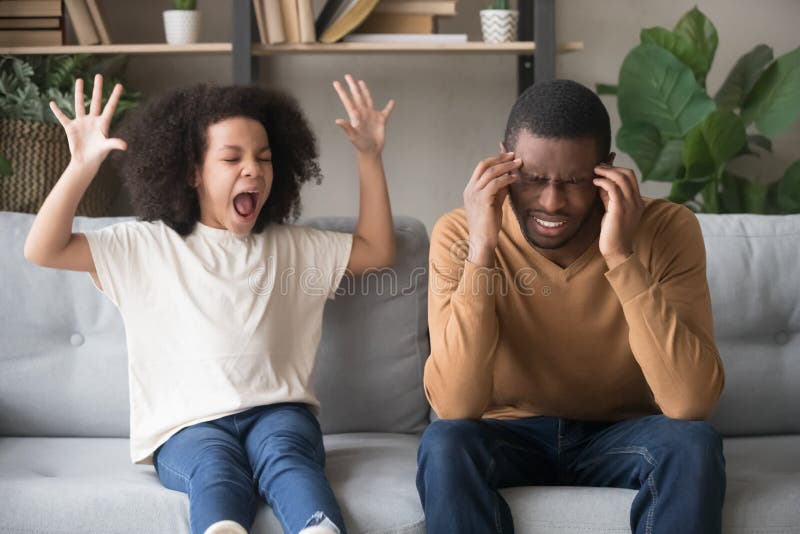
[
  {"x": 63, "y": 360},
  {"x": 754, "y": 277}
]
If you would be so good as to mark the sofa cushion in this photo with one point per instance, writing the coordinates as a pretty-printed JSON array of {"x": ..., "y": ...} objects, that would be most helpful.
[
  {"x": 69, "y": 485},
  {"x": 755, "y": 294},
  {"x": 63, "y": 363},
  {"x": 90, "y": 486}
]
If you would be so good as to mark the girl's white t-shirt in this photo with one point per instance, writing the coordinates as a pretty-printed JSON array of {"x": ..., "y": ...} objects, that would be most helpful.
[{"x": 216, "y": 323}]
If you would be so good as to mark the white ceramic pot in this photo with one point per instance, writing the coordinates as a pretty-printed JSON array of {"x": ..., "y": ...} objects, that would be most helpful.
[
  {"x": 182, "y": 26},
  {"x": 499, "y": 25}
]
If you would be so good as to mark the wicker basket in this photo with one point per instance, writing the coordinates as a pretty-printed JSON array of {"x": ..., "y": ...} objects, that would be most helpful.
[{"x": 39, "y": 153}]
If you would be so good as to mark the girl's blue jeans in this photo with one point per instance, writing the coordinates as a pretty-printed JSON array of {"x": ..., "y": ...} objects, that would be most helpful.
[{"x": 224, "y": 465}]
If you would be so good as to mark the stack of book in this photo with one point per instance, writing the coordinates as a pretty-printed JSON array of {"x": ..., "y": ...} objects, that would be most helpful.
[
  {"x": 87, "y": 21},
  {"x": 407, "y": 16},
  {"x": 31, "y": 23},
  {"x": 285, "y": 21}
]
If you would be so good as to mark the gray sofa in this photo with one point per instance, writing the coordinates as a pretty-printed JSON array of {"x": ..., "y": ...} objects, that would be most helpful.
[{"x": 64, "y": 464}]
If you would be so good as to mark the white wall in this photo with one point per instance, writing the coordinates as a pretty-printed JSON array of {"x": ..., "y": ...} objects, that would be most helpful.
[{"x": 451, "y": 110}]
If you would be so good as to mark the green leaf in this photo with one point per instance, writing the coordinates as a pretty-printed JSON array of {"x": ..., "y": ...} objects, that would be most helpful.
[
  {"x": 606, "y": 89},
  {"x": 5, "y": 167},
  {"x": 656, "y": 88},
  {"x": 788, "y": 189},
  {"x": 712, "y": 143},
  {"x": 679, "y": 46},
  {"x": 685, "y": 190},
  {"x": 657, "y": 161},
  {"x": 774, "y": 102},
  {"x": 743, "y": 77},
  {"x": 702, "y": 34}
]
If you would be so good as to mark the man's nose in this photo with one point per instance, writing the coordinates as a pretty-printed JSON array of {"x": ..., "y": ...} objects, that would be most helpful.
[{"x": 552, "y": 197}]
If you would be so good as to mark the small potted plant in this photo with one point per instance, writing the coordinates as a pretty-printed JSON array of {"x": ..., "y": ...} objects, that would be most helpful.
[
  {"x": 499, "y": 23},
  {"x": 182, "y": 24}
]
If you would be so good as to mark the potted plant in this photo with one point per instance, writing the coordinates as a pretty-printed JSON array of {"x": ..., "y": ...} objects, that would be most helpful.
[
  {"x": 31, "y": 138},
  {"x": 676, "y": 132},
  {"x": 499, "y": 23},
  {"x": 182, "y": 24}
]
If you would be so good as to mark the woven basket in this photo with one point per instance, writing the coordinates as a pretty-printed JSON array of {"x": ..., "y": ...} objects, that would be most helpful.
[{"x": 39, "y": 153}]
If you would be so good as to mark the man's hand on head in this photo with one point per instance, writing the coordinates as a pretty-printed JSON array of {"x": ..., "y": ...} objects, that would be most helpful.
[
  {"x": 623, "y": 202},
  {"x": 483, "y": 202}
]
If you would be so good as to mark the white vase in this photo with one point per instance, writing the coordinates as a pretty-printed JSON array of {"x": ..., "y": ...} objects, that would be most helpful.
[
  {"x": 182, "y": 26},
  {"x": 499, "y": 25}
]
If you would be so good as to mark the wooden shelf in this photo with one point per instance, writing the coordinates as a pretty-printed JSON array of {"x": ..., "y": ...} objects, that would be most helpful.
[
  {"x": 517, "y": 48},
  {"x": 155, "y": 48}
]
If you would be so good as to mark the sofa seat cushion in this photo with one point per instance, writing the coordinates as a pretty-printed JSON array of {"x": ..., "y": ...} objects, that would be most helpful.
[
  {"x": 88, "y": 485},
  {"x": 762, "y": 495},
  {"x": 67, "y": 485}
]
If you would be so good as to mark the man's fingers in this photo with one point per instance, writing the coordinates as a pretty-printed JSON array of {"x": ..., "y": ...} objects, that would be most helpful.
[
  {"x": 497, "y": 170},
  {"x": 481, "y": 167},
  {"x": 63, "y": 119},
  {"x": 615, "y": 198},
  {"x": 80, "y": 109},
  {"x": 500, "y": 182},
  {"x": 97, "y": 96},
  {"x": 621, "y": 178}
]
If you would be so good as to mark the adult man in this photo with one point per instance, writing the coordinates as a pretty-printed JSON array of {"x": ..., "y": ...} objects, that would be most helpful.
[{"x": 572, "y": 339}]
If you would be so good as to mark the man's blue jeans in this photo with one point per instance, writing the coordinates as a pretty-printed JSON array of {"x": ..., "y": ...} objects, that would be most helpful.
[
  {"x": 274, "y": 451},
  {"x": 677, "y": 466}
]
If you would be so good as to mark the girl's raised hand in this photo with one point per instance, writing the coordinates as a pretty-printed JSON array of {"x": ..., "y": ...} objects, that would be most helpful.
[
  {"x": 88, "y": 138},
  {"x": 366, "y": 127}
]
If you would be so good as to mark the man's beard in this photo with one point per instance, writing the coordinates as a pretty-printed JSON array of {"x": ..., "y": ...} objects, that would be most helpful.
[{"x": 521, "y": 220}]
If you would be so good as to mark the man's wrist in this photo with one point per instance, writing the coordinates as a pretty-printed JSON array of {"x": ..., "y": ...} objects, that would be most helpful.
[
  {"x": 481, "y": 253},
  {"x": 614, "y": 259}
]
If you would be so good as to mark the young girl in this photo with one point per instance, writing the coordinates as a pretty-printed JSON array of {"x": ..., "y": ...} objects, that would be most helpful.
[{"x": 222, "y": 302}]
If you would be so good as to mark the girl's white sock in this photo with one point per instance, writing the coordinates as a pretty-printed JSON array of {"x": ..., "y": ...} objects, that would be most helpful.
[{"x": 226, "y": 527}]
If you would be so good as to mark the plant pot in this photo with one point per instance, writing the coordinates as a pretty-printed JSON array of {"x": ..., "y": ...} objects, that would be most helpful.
[
  {"x": 39, "y": 153},
  {"x": 499, "y": 25},
  {"x": 181, "y": 26}
]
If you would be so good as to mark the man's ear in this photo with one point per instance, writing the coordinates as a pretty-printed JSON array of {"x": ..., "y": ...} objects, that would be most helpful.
[
  {"x": 610, "y": 158},
  {"x": 503, "y": 148}
]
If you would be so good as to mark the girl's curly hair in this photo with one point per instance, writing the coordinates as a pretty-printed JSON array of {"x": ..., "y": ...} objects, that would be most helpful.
[{"x": 167, "y": 142}]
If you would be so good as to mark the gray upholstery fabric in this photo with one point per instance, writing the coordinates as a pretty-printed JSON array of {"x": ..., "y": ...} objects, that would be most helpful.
[
  {"x": 63, "y": 369},
  {"x": 88, "y": 485},
  {"x": 63, "y": 373},
  {"x": 375, "y": 341},
  {"x": 755, "y": 293}
]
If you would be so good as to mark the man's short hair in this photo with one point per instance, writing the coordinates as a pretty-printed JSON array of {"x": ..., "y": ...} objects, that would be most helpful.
[{"x": 560, "y": 109}]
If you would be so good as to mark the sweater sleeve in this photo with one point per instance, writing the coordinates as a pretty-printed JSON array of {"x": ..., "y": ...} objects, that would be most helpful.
[
  {"x": 668, "y": 311},
  {"x": 463, "y": 327}
]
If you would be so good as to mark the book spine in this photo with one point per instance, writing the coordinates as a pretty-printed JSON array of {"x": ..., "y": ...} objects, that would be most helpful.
[
  {"x": 99, "y": 23},
  {"x": 306, "y": 17},
  {"x": 30, "y": 8},
  {"x": 82, "y": 22},
  {"x": 30, "y": 37},
  {"x": 274, "y": 15},
  {"x": 260, "y": 21},
  {"x": 291, "y": 21}
]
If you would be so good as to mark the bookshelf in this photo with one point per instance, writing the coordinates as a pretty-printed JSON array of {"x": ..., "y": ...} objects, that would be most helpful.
[{"x": 536, "y": 57}]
